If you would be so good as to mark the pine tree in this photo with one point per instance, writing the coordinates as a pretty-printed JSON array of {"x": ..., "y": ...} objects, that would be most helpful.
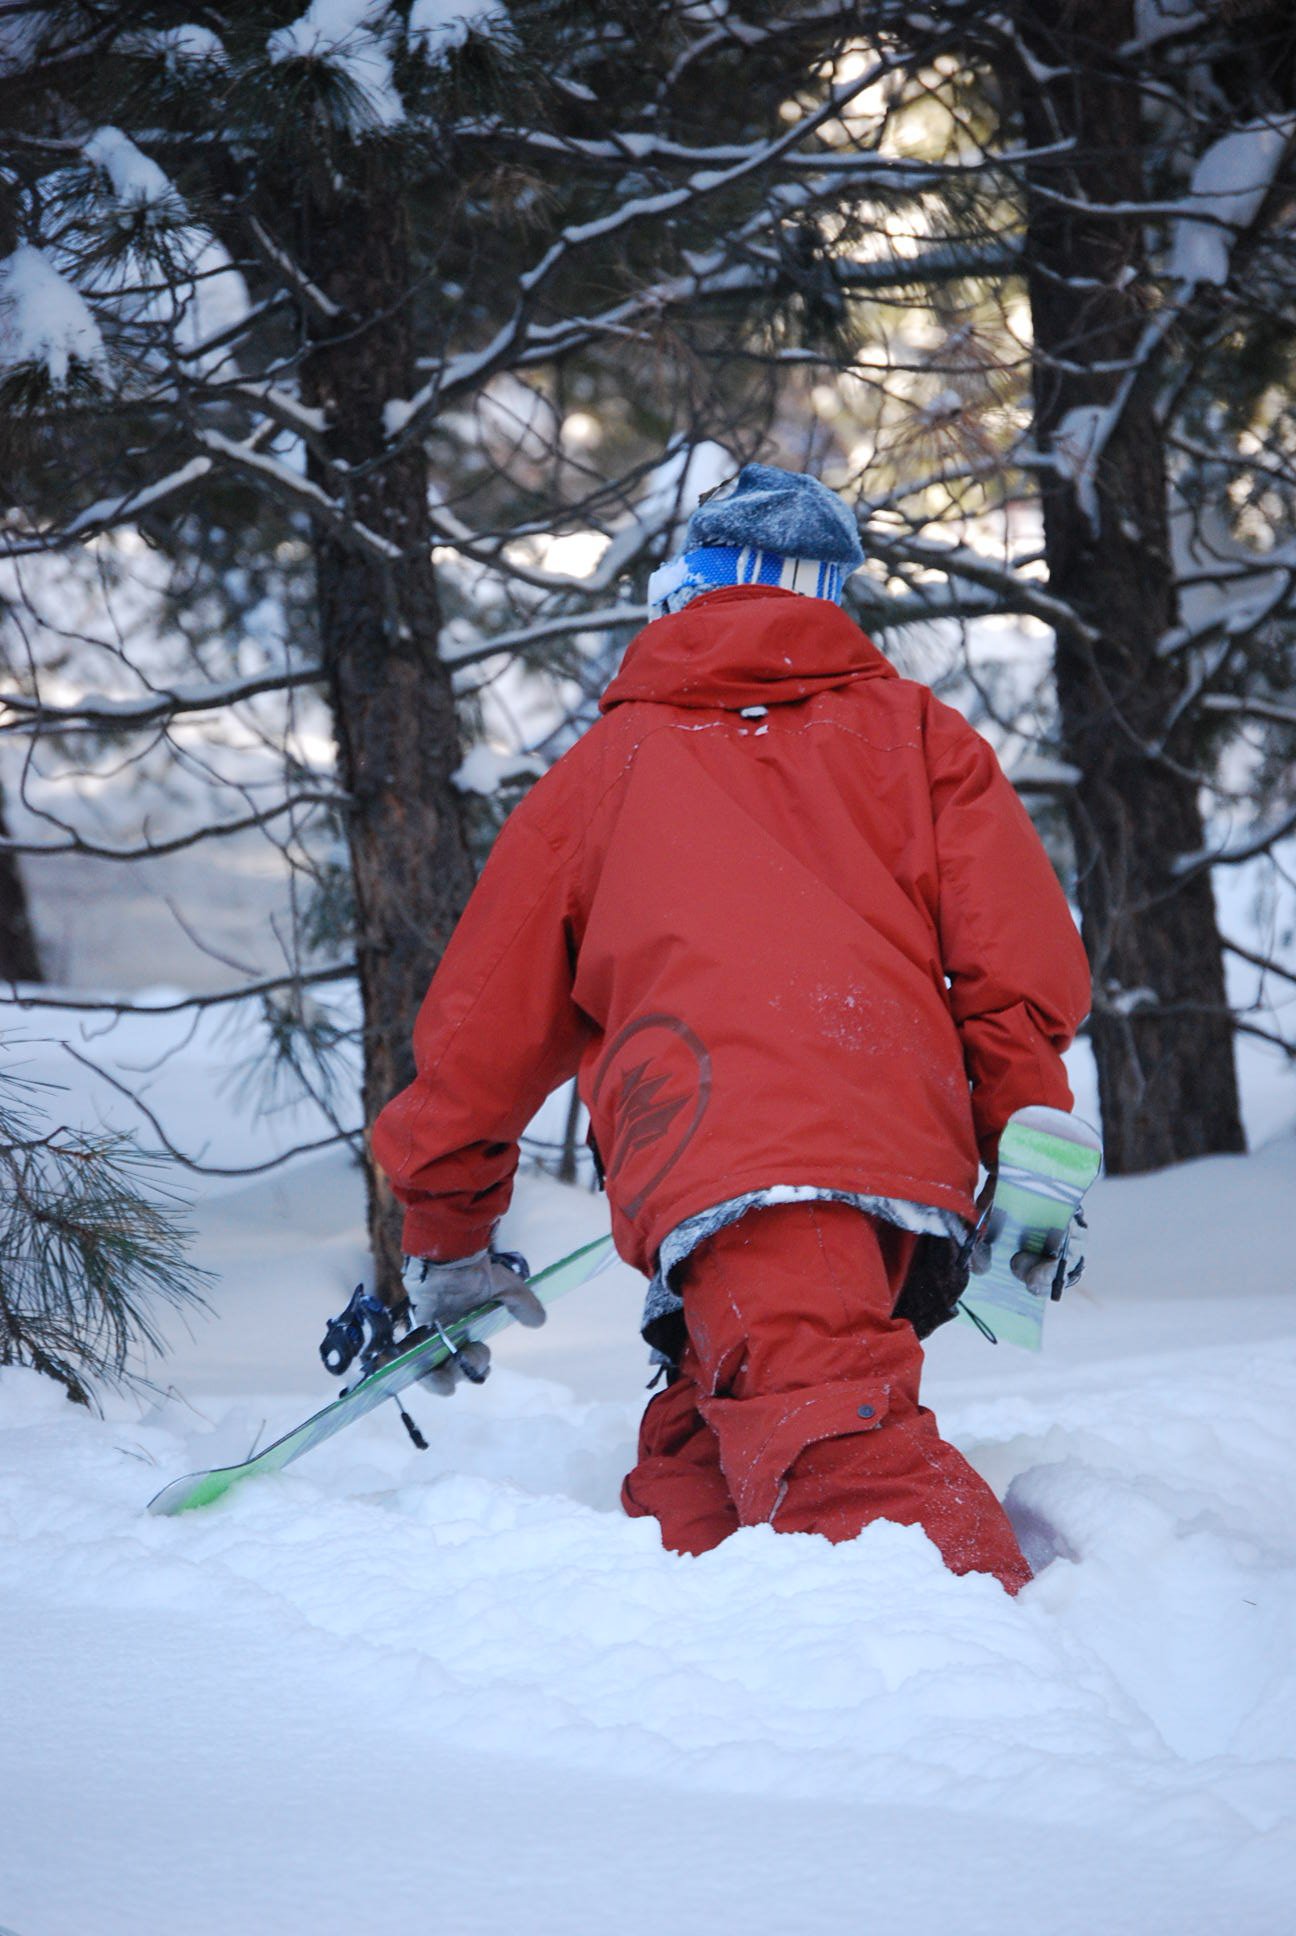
[
  {"x": 424, "y": 213},
  {"x": 869, "y": 240},
  {"x": 90, "y": 1247}
]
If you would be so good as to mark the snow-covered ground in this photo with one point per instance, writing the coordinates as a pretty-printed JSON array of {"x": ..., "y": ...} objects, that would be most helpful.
[{"x": 393, "y": 1691}]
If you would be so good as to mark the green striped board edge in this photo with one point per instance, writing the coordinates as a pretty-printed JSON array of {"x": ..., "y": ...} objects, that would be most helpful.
[{"x": 405, "y": 1369}]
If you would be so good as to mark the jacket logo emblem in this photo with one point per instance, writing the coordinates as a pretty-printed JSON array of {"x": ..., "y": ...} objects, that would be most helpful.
[
  {"x": 642, "y": 1119},
  {"x": 661, "y": 1098}
]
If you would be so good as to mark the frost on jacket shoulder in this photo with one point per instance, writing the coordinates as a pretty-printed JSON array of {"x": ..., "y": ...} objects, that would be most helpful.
[{"x": 736, "y": 926}]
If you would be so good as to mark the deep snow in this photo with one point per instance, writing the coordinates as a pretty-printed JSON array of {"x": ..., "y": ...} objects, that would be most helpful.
[{"x": 389, "y": 1691}]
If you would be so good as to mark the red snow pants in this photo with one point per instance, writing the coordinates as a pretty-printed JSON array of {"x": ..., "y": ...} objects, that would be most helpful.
[{"x": 796, "y": 1402}]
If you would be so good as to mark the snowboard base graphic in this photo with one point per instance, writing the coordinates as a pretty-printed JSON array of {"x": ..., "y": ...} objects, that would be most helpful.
[
  {"x": 420, "y": 1352},
  {"x": 1047, "y": 1161}
]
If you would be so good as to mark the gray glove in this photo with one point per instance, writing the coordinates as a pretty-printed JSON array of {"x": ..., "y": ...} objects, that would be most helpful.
[
  {"x": 440, "y": 1293},
  {"x": 1036, "y": 1269}
]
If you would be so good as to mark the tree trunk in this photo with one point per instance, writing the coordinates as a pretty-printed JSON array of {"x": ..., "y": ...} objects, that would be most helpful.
[
  {"x": 19, "y": 957},
  {"x": 1162, "y": 1035},
  {"x": 567, "y": 1164},
  {"x": 392, "y": 702}
]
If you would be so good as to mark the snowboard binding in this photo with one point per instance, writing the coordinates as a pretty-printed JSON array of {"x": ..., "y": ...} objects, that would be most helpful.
[{"x": 365, "y": 1330}]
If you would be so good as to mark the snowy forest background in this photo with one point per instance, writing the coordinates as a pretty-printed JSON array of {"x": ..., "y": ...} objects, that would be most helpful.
[
  {"x": 358, "y": 362},
  {"x": 357, "y": 365}
]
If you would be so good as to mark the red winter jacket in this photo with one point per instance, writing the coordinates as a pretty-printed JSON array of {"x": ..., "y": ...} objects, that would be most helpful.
[{"x": 821, "y": 944}]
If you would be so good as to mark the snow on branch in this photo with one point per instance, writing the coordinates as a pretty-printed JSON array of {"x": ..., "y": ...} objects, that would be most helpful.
[
  {"x": 133, "y": 714},
  {"x": 1250, "y": 708},
  {"x": 1238, "y": 617},
  {"x": 526, "y": 637},
  {"x": 716, "y": 278},
  {"x": 1156, "y": 21},
  {"x": 1041, "y": 773},
  {"x": 954, "y": 562},
  {"x": 546, "y": 342},
  {"x": 705, "y": 182},
  {"x": 438, "y": 27},
  {"x": 1080, "y": 438},
  {"x": 137, "y": 183},
  {"x": 674, "y": 486},
  {"x": 1229, "y": 186},
  {"x": 404, "y": 415},
  {"x": 299, "y": 491},
  {"x": 707, "y": 278},
  {"x": 484, "y": 769},
  {"x": 45, "y": 322},
  {"x": 615, "y": 150},
  {"x": 945, "y": 262},
  {"x": 178, "y": 47},
  {"x": 280, "y": 404},
  {"x": 108, "y": 513},
  {"x": 343, "y": 37}
]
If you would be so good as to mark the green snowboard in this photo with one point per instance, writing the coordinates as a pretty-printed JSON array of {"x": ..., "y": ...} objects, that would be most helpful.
[
  {"x": 418, "y": 1354},
  {"x": 1047, "y": 1161}
]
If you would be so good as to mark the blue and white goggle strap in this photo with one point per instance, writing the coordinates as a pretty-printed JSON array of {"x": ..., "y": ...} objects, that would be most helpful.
[{"x": 709, "y": 567}]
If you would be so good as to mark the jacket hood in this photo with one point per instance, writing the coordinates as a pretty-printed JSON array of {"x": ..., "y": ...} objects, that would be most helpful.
[{"x": 748, "y": 645}]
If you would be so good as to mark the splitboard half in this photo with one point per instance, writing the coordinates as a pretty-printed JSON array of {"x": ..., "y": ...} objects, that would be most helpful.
[
  {"x": 419, "y": 1354},
  {"x": 1047, "y": 1161}
]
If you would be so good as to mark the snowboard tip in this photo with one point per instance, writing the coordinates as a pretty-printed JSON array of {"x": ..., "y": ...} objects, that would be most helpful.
[
  {"x": 190, "y": 1490},
  {"x": 1056, "y": 1122}
]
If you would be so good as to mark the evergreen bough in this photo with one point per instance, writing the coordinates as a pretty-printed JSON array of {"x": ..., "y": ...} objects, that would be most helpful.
[{"x": 90, "y": 1247}]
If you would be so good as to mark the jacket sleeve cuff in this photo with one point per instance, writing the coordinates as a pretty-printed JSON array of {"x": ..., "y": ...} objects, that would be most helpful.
[
  {"x": 426, "y": 1235},
  {"x": 990, "y": 1124}
]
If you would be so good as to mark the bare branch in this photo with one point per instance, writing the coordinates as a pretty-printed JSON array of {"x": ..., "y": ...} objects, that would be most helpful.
[
  {"x": 150, "y": 850},
  {"x": 526, "y": 637},
  {"x": 354, "y": 1138},
  {"x": 114, "y": 714},
  {"x": 277, "y": 258},
  {"x": 305, "y": 978},
  {"x": 1264, "y": 962}
]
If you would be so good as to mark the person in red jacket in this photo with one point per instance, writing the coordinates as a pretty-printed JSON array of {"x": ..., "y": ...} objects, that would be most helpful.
[{"x": 784, "y": 919}]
